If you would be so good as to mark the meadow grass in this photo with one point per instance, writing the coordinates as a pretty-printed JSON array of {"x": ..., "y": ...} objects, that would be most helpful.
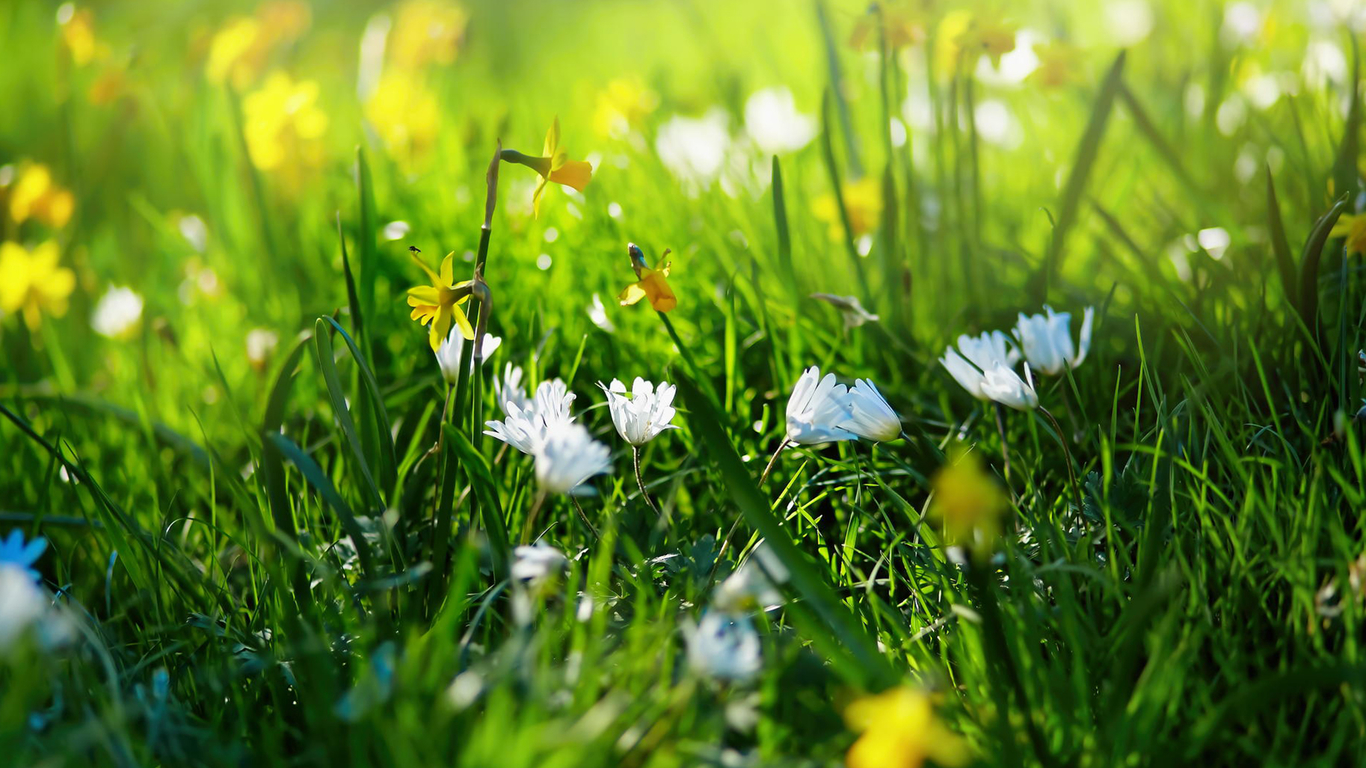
[{"x": 276, "y": 535}]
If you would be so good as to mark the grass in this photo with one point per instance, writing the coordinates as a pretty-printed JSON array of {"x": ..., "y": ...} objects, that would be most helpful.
[{"x": 304, "y": 559}]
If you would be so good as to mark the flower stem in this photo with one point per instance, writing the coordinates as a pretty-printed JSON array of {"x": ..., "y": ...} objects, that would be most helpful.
[
  {"x": 1005, "y": 443},
  {"x": 772, "y": 461},
  {"x": 529, "y": 525},
  {"x": 1067, "y": 453},
  {"x": 640, "y": 480},
  {"x": 584, "y": 517}
]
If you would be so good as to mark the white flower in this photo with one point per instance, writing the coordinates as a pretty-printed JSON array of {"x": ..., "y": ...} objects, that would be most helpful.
[
  {"x": 724, "y": 646},
  {"x": 261, "y": 343},
  {"x": 448, "y": 354},
  {"x": 1005, "y": 386},
  {"x": 537, "y": 564},
  {"x": 14, "y": 552},
  {"x": 1047, "y": 341},
  {"x": 872, "y": 419},
  {"x": 509, "y": 388},
  {"x": 643, "y": 414},
  {"x": 117, "y": 313},
  {"x": 753, "y": 584},
  {"x": 694, "y": 149},
  {"x": 598, "y": 314},
  {"x": 22, "y": 603},
  {"x": 566, "y": 456},
  {"x": 772, "y": 120},
  {"x": 526, "y": 426},
  {"x": 817, "y": 408},
  {"x": 850, "y": 308},
  {"x": 978, "y": 354}
]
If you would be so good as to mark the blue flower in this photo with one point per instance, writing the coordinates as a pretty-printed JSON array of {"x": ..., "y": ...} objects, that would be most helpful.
[{"x": 13, "y": 551}]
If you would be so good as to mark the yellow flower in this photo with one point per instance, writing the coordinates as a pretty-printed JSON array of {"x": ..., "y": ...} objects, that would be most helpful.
[
  {"x": 426, "y": 32},
  {"x": 1059, "y": 64},
  {"x": 284, "y": 126},
  {"x": 242, "y": 48},
  {"x": 969, "y": 503},
  {"x": 623, "y": 105},
  {"x": 553, "y": 165},
  {"x": 438, "y": 304},
  {"x": 1352, "y": 227},
  {"x": 900, "y": 730},
  {"x": 78, "y": 34},
  {"x": 37, "y": 196},
  {"x": 31, "y": 282},
  {"x": 863, "y": 203},
  {"x": 904, "y": 21},
  {"x": 962, "y": 37},
  {"x": 405, "y": 113},
  {"x": 652, "y": 284}
]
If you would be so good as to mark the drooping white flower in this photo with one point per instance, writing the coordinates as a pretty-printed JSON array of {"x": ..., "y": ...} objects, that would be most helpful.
[
  {"x": 872, "y": 418},
  {"x": 524, "y": 427},
  {"x": 534, "y": 565},
  {"x": 754, "y": 585},
  {"x": 1005, "y": 386},
  {"x": 724, "y": 646},
  {"x": 448, "y": 354},
  {"x": 22, "y": 603},
  {"x": 509, "y": 387},
  {"x": 1047, "y": 340},
  {"x": 644, "y": 413},
  {"x": 976, "y": 354},
  {"x": 775, "y": 125},
  {"x": 567, "y": 456},
  {"x": 14, "y": 552},
  {"x": 817, "y": 408},
  {"x": 117, "y": 313},
  {"x": 851, "y": 309}
]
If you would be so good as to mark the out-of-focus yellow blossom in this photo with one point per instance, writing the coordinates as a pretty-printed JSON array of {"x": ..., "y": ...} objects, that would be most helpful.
[
  {"x": 905, "y": 21},
  {"x": 863, "y": 203},
  {"x": 622, "y": 105},
  {"x": 37, "y": 196},
  {"x": 901, "y": 730},
  {"x": 652, "y": 284},
  {"x": 241, "y": 50},
  {"x": 426, "y": 32},
  {"x": 438, "y": 304},
  {"x": 553, "y": 165},
  {"x": 405, "y": 113},
  {"x": 1352, "y": 227},
  {"x": 111, "y": 83},
  {"x": 284, "y": 126},
  {"x": 969, "y": 503},
  {"x": 78, "y": 34},
  {"x": 988, "y": 37},
  {"x": 1059, "y": 64},
  {"x": 962, "y": 37},
  {"x": 32, "y": 283}
]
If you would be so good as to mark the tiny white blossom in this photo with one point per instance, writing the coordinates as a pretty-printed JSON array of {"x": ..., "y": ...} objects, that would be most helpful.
[
  {"x": 598, "y": 314},
  {"x": 775, "y": 125},
  {"x": 872, "y": 419},
  {"x": 644, "y": 413},
  {"x": 851, "y": 309},
  {"x": 117, "y": 313},
  {"x": 753, "y": 584},
  {"x": 568, "y": 455},
  {"x": 1047, "y": 340},
  {"x": 536, "y": 564},
  {"x": 526, "y": 426},
  {"x": 817, "y": 408},
  {"x": 22, "y": 603},
  {"x": 508, "y": 388},
  {"x": 261, "y": 343},
  {"x": 448, "y": 354},
  {"x": 724, "y": 646},
  {"x": 976, "y": 354}
]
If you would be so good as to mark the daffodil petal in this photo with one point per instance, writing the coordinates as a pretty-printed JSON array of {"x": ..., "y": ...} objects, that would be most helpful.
[
  {"x": 423, "y": 294},
  {"x": 633, "y": 293},
  {"x": 574, "y": 173}
]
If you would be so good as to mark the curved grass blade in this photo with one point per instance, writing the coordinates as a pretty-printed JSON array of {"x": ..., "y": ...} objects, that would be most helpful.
[
  {"x": 320, "y": 482},
  {"x": 481, "y": 479},
  {"x": 323, "y": 344},
  {"x": 387, "y": 456}
]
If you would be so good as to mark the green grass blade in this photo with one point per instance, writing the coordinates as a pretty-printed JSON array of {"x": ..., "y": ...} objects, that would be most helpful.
[{"x": 323, "y": 343}]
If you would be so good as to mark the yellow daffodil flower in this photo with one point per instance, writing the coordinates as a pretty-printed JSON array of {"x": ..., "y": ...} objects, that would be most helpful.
[
  {"x": 32, "y": 283},
  {"x": 37, "y": 196},
  {"x": 901, "y": 730},
  {"x": 652, "y": 284},
  {"x": 241, "y": 49},
  {"x": 553, "y": 165},
  {"x": 969, "y": 503},
  {"x": 1059, "y": 65},
  {"x": 426, "y": 32},
  {"x": 284, "y": 127},
  {"x": 438, "y": 304},
  {"x": 78, "y": 34},
  {"x": 1352, "y": 227},
  {"x": 962, "y": 37},
  {"x": 904, "y": 21},
  {"x": 405, "y": 114},
  {"x": 623, "y": 105},
  {"x": 863, "y": 203}
]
